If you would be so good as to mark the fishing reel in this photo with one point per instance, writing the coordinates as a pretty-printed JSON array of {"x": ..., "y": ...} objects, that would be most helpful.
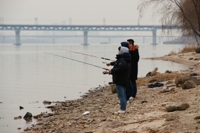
[{"x": 106, "y": 72}]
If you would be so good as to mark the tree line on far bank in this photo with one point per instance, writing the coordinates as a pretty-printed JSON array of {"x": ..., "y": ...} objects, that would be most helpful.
[{"x": 184, "y": 13}]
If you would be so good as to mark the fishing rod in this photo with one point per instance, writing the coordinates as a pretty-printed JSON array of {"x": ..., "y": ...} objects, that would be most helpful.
[
  {"x": 106, "y": 72},
  {"x": 90, "y": 55}
]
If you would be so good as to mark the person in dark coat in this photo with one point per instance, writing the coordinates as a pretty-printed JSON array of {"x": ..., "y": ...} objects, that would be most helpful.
[
  {"x": 133, "y": 50},
  {"x": 120, "y": 75}
]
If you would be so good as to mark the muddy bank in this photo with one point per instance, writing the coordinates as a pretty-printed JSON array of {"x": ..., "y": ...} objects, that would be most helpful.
[{"x": 170, "y": 108}]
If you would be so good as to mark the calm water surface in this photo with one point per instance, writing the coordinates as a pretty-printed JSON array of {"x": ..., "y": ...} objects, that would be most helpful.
[{"x": 28, "y": 75}]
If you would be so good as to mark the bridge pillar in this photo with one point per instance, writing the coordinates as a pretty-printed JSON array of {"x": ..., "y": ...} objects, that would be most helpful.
[
  {"x": 109, "y": 40},
  {"x": 161, "y": 39},
  {"x": 17, "y": 35},
  {"x": 143, "y": 39},
  {"x": 85, "y": 37},
  {"x": 154, "y": 37},
  {"x": 3, "y": 39}
]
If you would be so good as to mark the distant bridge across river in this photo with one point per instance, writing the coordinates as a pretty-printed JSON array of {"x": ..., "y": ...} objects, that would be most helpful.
[
  {"x": 109, "y": 37},
  {"x": 84, "y": 28}
]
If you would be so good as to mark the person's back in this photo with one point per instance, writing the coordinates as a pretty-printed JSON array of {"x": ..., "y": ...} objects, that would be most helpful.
[
  {"x": 121, "y": 69},
  {"x": 134, "y": 52}
]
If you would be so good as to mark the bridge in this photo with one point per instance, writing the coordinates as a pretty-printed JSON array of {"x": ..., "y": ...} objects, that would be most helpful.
[
  {"x": 84, "y": 28},
  {"x": 54, "y": 37}
]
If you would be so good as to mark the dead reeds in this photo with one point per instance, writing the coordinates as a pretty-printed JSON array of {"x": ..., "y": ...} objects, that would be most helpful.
[
  {"x": 188, "y": 48},
  {"x": 173, "y": 53}
]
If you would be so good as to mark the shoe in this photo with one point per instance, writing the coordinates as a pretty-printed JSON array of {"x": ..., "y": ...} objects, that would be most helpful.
[
  {"x": 121, "y": 111},
  {"x": 131, "y": 98}
]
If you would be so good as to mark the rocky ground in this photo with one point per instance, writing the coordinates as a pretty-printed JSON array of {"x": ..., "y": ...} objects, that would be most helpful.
[{"x": 172, "y": 108}]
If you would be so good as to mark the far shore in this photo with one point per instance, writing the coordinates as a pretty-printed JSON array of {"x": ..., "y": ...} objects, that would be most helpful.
[
  {"x": 171, "y": 108},
  {"x": 189, "y": 59}
]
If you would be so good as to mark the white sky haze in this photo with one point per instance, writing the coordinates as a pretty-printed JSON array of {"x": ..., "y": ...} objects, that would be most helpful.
[{"x": 121, "y": 12}]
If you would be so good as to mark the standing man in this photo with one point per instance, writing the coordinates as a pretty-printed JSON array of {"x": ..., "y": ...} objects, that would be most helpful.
[
  {"x": 120, "y": 75},
  {"x": 133, "y": 50}
]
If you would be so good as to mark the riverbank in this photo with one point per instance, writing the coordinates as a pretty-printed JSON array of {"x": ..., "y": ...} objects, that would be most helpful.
[{"x": 153, "y": 111}]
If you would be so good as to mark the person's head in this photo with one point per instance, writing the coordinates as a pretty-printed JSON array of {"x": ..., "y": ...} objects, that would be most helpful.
[
  {"x": 122, "y": 50},
  {"x": 130, "y": 43},
  {"x": 124, "y": 44}
]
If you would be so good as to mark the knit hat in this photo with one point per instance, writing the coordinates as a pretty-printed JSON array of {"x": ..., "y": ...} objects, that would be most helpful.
[
  {"x": 124, "y": 50},
  {"x": 124, "y": 44}
]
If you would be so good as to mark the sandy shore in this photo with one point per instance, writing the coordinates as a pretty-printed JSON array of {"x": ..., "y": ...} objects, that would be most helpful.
[{"x": 166, "y": 109}]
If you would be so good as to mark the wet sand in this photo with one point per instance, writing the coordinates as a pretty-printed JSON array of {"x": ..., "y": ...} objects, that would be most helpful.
[{"x": 152, "y": 111}]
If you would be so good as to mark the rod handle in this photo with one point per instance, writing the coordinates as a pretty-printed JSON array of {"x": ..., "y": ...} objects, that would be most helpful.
[
  {"x": 105, "y": 58},
  {"x": 105, "y": 72}
]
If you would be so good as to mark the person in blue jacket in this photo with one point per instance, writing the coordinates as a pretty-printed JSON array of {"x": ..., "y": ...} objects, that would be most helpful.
[{"x": 120, "y": 75}]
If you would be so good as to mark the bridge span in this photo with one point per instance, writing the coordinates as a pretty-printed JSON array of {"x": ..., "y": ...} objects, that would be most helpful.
[
  {"x": 109, "y": 37},
  {"x": 84, "y": 28}
]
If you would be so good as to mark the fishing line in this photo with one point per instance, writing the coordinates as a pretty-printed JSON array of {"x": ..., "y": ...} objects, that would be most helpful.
[
  {"x": 90, "y": 55},
  {"x": 77, "y": 61}
]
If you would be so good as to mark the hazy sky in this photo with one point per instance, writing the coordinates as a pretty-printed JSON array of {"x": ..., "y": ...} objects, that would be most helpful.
[{"x": 80, "y": 11}]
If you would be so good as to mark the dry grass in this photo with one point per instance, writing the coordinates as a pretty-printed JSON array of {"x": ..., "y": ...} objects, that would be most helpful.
[
  {"x": 188, "y": 48},
  {"x": 158, "y": 77},
  {"x": 173, "y": 53}
]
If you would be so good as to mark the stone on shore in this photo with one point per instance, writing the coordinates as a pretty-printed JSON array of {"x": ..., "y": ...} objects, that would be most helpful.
[
  {"x": 167, "y": 71},
  {"x": 152, "y": 73},
  {"x": 28, "y": 116},
  {"x": 188, "y": 85},
  {"x": 168, "y": 89},
  {"x": 20, "y": 107},
  {"x": 46, "y": 102},
  {"x": 181, "y": 81},
  {"x": 177, "y": 107},
  {"x": 196, "y": 79},
  {"x": 113, "y": 88},
  {"x": 47, "y": 115},
  {"x": 18, "y": 117},
  {"x": 170, "y": 118},
  {"x": 197, "y": 117}
]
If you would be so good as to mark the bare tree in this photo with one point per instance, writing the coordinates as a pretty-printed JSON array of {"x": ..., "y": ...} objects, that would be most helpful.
[{"x": 184, "y": 13}]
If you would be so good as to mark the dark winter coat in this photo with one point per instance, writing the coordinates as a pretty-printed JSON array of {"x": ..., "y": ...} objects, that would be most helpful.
[
  {"x": 120, "y": 71},
  {"x": 134, "y": 63}
]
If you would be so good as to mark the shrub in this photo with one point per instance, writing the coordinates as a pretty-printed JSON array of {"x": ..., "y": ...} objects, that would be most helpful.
[
  {"x": 173, "y": 53},
  {"x": 188, "y": 48}
]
